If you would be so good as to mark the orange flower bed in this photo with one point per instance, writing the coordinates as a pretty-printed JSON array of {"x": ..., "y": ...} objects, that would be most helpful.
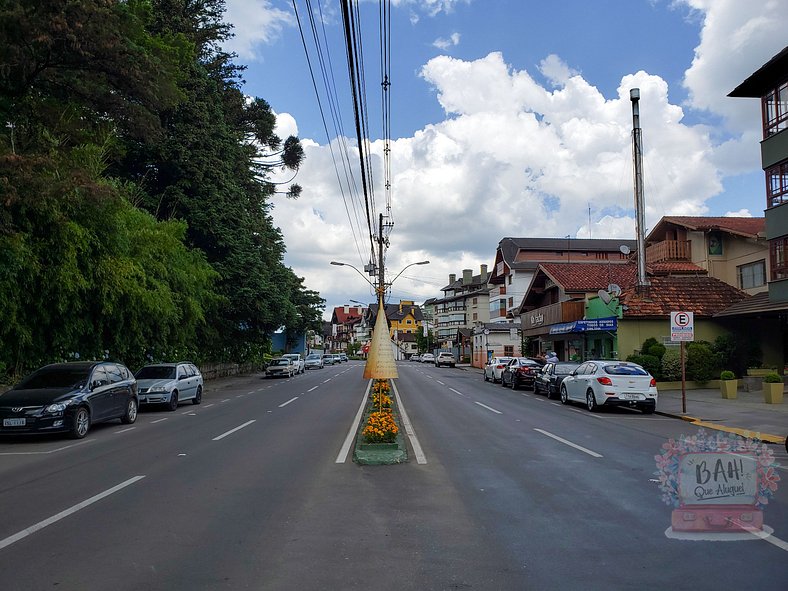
[{"x": 380, "y": 428}]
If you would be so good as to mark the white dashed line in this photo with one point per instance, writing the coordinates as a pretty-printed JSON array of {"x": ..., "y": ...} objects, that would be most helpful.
[
  {"x": 288, "y": 402},
  {"x": 124, "y": 430},
  {"x": 456, "y": 392},
  {"x": 441, "y": 383},
  {"x": 209, "y": 405},
  {"x": 488, "y": 407},
  {"x": 313, "y": 388},
  {"x": 570, "y": 444},
  {"x": 231, "y": 431},
  {"x": 158, "y": 420}
]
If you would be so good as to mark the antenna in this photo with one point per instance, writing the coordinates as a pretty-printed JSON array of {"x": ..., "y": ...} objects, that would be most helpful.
[
  {"x": 614, "y": 290},
  {"x": 624, "y": 249},
  {"x": 604, "y": 296}
]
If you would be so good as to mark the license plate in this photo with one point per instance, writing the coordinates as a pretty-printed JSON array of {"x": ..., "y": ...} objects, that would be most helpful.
[
  {"x": 14, "y": 422},
  {"x": 631, "y": 396}
]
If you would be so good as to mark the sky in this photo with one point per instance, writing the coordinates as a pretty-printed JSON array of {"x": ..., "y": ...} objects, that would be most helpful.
[{"x": 507, "y": 118}]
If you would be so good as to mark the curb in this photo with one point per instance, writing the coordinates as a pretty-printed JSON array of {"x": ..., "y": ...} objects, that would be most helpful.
[
  {"x": 765, "y": 437},
  {"x": 387, "y": 453}
]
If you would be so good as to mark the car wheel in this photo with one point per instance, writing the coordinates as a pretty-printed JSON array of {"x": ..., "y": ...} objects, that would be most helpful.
[
  {"x": 81, "y": 424},
  {"x": 564, "y": 395},
  {"x": 173, "y": 404},
  {"x": 485, "y": 377},
  {"x": 198, "y": 396},
  {"x": 131, "y": 412},
  {"x": 591, "y": 401}
]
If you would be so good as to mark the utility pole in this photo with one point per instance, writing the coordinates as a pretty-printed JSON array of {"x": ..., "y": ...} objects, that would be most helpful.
[
  {"x": 381, "y": 271},
  {"x": 640, "y": 207}
]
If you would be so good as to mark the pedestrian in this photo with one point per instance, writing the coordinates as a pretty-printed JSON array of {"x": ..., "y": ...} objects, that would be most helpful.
[{"x": 551, "y": 357}]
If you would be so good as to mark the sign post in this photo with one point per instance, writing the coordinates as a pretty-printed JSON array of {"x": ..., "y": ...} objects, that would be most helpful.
[{"x": 682, "y": 329}]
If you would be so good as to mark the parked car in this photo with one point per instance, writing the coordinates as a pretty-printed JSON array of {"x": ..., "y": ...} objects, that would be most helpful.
[
  {"x": 610, "y": 383},
  {"x": 70, "y": 397},
  {"x": 343, "y": 357},
  {"x": 328, "y": 359},
  {"x": 281, "y": 366},
  {"x": 415, "y": 357},
  {"x": 548, "y": 381},
  {"x": 428, "y": 358},
  {"x": 298, "y": 361},
  {"x": 444, "y": 358},
  {"x": 494, "y": 369},
  {"x": 169, "y": 383},
  {"x": 313, "y": 361},
  {"x": 520, "y": 371},
  {"x": 337, "y": 358}
]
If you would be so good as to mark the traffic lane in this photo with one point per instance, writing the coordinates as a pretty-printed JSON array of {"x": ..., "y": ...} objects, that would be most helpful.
[
  {"x": 546, "y": 501},
  {"x": 188, "y": 520},
  {"x": 50, "y": 481}
]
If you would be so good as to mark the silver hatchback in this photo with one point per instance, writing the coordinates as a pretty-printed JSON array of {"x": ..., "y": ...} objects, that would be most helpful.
[{"x": 169, "y": 384}]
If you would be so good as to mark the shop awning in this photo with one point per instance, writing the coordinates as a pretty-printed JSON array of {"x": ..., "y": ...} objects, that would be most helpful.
[{"x": 594, "y": 324}]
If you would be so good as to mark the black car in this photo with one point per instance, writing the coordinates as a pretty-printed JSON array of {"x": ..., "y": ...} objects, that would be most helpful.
[
  {"x": 70, "y": 397},
  {"x": 520, "y": 371},
  {"x": 549, "y": 379}
]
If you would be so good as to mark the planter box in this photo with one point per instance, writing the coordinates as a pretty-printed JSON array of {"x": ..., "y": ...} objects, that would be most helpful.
[
  {"x": 728, "y": 389},
  {"x": 378, "y": 446},
  {"x": 760, "y": 372},
  {"x": 773, "y": 393}
]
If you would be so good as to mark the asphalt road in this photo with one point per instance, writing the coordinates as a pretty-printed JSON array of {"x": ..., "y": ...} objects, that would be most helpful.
[{"x": 246, "y": 492}]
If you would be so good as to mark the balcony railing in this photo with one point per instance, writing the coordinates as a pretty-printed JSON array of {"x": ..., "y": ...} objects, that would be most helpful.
[
  {"x": 668, "y": 250},
  {"x": 447, "y": 309}
]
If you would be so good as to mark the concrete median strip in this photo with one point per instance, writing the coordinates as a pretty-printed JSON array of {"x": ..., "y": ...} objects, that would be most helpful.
[{"x": 746, "y": 433}]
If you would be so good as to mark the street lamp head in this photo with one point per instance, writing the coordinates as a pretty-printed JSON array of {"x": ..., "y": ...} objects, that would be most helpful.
[
  {"x": 338, "y": 264},
  {"x": 422, "y": 263}
]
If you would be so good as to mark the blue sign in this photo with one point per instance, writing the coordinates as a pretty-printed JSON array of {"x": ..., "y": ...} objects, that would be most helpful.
[{"x": 594, "y": 324}]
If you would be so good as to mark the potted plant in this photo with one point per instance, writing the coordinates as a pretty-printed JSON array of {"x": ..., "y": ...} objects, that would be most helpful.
[
  {"x": 728, "y": 385},
  {"x": 773, "y": 388}
]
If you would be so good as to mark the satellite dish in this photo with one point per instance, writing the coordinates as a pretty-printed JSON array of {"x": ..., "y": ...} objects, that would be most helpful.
[
  {"x": 604, "y": 296},
  {"x": 614, "y": 290},
  {"x": 625, "y": 250}
]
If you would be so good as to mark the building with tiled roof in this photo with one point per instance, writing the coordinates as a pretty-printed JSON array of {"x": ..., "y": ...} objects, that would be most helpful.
[
  {"x": 465, "y": 302},
  {"x": 405, "y": 317},
  {"x": 343, "y": 327},
  {"x": 732, "y": 249},
  {"x": 517, "y": 259}
]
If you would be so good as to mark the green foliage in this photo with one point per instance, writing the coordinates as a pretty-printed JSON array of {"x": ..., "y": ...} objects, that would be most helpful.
[
  {"x": 727, "y": 375},
  {"x": 671, "y": 365},
  {"x": 651, "y": 363},
  {"x": 647, "y": 344},
  {"x": 657, "y": 350},
  {"x": 738, "y": 352},
  {"x": 702, "y": 363},
  {"x": 772, "y": 378}
]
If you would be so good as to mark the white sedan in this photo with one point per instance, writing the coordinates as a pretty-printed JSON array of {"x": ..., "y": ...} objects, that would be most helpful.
[
  {"x": 494, "y": 369},
  {"x": 610, "y": 383},
  {"x": 428, "y": 358}
]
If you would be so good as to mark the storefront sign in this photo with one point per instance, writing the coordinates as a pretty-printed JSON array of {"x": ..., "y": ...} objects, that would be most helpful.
[{"x": 594, "y": 324}]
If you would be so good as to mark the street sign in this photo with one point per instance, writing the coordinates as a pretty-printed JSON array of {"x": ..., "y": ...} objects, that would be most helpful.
[{"x": 682, "y": 326}]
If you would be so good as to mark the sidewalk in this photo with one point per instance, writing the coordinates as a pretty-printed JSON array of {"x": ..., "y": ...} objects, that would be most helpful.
[{"x": 748, "y": 415}]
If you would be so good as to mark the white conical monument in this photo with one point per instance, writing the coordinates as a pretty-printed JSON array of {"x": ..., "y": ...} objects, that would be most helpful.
[{"x": 380, "y": 359}]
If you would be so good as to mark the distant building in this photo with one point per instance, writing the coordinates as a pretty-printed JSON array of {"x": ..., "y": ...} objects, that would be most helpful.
[{"x": 465, "y": 303}]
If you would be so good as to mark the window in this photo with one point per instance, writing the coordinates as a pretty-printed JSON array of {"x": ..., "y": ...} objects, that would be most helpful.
[
  {"x": 775, "y": 110},
  {"x": 778, "y": 249},
  {"x": 508, "y": 350},
  {"x": 475, "y": 316},
  {"x": 752, "y": 275},
  {"x": 113, "y": 373},
  {"x": 510, "y": 279},
  {"x": 475, "y": 301},
  {"x": 408, "y": 322},
  {"x": 777, "y": 184}
]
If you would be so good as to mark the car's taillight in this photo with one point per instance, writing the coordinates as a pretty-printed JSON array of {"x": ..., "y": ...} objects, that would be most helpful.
[
  {"x": 605, "y": 381},
  {"x": 653, "y": 383},
  {"x": 499, "y": 366}
]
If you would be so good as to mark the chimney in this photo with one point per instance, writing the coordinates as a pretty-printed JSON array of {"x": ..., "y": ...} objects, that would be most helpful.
[
  {"x": 347, "y": 309},
  {"x": 452, "y": 278},
  {"x": 467, "y": 276},
  {"x": 484, "y": 274}
]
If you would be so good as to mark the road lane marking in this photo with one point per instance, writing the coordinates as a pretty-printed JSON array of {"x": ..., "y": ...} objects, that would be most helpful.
[
  {"x": 351, "y": 434},
  {"x": 411, "y": 433},
  {"x": 288, "y": 402},
  {"x": 313, "y": 388},
  {"x": 124, "y": 430},
  {"x": 326, "y": 381},
  {"x": 570, "y": 444},
  {"x": 556, "y": 404},
  {"x": 488, "y": 407},
  {"x": 231, "y": 431},
  {"x": 225, "y": 400},
  {"x": 63, "y": 514},
  {"x": 441, "y": 383},
  {"x": 158, "y": 420},
  {"x": 209, "y": 405},
  {"x": 250, "y": 392},
  {"x": 766, "y": 537},
  {"x": 456, "y": 392},
  {"x": 43, "y": 453}
]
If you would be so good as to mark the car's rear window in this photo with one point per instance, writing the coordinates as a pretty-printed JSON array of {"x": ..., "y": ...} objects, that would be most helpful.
[
  {"x": 282, "y": 362},
  {"x": 625, "y": 370},
  {"x": 525, "y": 362},
  {"x": 55, "y": 378},
  {"x": 156, "y": 372},
  {"x": 565, "y": 369}
]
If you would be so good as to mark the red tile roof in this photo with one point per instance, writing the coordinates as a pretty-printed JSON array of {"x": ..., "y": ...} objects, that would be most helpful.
[
  {"x": 735, "y": 225},
  {"x": 353, "y": 313},
  {"x": 590, "y": 276},
  {"x": 703, "y": 295},
  {"x": 675, "y": 267}
]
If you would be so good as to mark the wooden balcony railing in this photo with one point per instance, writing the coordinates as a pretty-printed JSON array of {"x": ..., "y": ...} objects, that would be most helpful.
[{"x": 668, "y": 250}]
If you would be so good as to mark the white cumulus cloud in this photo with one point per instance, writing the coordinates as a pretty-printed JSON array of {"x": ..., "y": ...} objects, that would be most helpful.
[{"x": 254, "y": 22}]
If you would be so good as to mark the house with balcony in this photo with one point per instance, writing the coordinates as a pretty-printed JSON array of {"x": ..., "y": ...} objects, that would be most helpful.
[
  {"x": 465, "y": 302},
  {"x": 404, "y": 318},
  {"x": 732, "y": 249},
  {"x": 517, "y": 260},
  {"x": 553, "y": 312},
  {"x": 344, "y": 320},
  {"x": 766, "y": 313}
]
